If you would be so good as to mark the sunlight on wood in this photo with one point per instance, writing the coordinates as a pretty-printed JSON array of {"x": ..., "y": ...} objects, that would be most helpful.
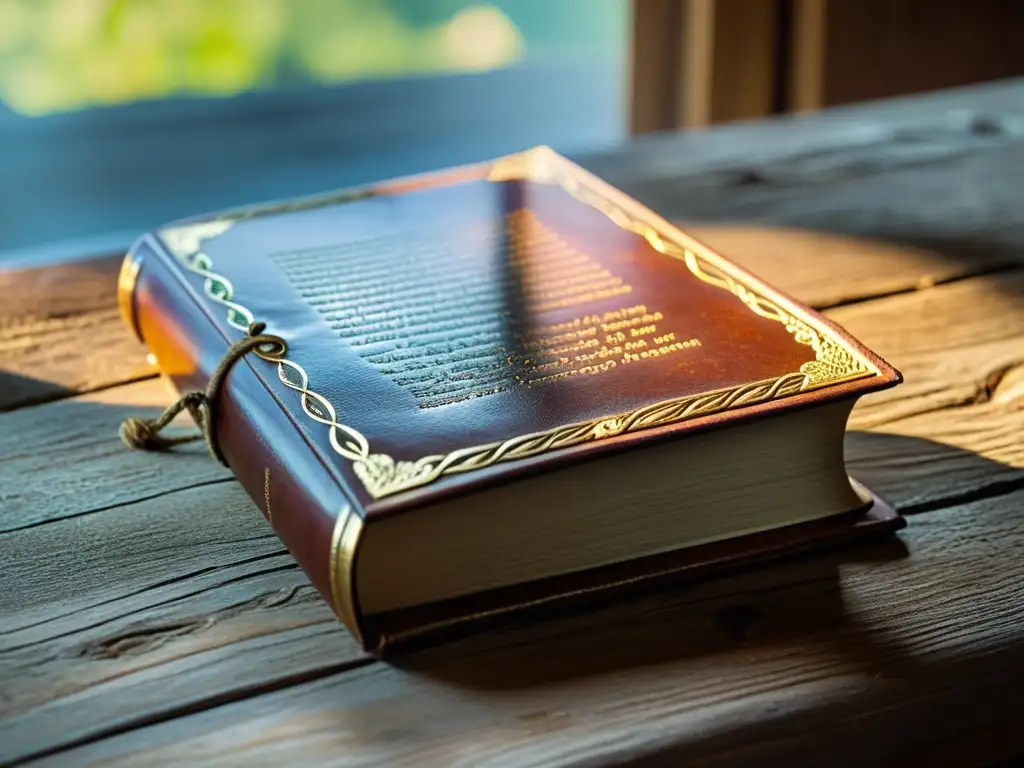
[
  {"x": 155, "y": 393},
  {"x": 802, "y": 262}
]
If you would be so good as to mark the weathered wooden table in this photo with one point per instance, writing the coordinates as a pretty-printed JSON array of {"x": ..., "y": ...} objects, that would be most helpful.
[{"x": 149, "y": 614}]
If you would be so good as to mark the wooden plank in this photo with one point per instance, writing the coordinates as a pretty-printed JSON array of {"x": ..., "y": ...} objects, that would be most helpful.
[
  {"x": 957, "y": 345},
  {"x": 119, "y": 646},
  {"x": 874, "y": 138},
  {"x": 889, "y": 208},
  {"x": 954, "y": 204},
  {"x": 954, "y": 344},
  {"x": 66, "y": 459},
  {"x": 928, "y": 461},
  {"x": 191, "y": 631},
  {"x": 826, "y": 269},
  {"x": 151, "y": 607},
  {"x": 949, "y": 219},
  {"x": 60, "y": 333},
  {"x": 952, "y": 212},
  {"x": 953, "y": 428},
  {"x": 123, "y": 551},
  {"x": 831, "y": 660}
]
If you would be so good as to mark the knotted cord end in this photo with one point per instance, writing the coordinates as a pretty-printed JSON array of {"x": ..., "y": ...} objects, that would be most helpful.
[
  {"x": 144, "y": 435},
  {"x": 140, "y": 435}
]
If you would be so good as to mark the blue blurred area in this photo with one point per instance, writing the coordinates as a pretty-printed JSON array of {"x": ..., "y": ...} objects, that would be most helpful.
[{"x": 106, "y": 173}]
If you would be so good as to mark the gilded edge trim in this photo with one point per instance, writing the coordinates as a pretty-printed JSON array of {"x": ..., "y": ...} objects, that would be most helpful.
[
  {"x": 127, "y": 277},
  {"x": 835, "y": 361},
  {"x": 348, "y": 528}
]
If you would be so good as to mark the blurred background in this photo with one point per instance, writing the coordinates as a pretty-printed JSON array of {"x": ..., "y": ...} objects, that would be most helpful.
[
  {"x": 119, "y": 115},
  {"x": 64, "y": 55}
]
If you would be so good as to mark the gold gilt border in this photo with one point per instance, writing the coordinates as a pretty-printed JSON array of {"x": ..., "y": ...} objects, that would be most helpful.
[{"x": 834, "y": 362}]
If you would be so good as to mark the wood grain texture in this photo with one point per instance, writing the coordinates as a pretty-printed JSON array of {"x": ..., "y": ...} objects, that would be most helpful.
[
  {"x": 119, "y": 638},
  {"x": 150, "y": 616},
  {"x": 60, "y": 333},
  {"x": 895, "y": 132},
  {"x": 150, "y": 607},
  {"x": 834, "y": 661},
  {"x": 911, "y": 193},
  {"x": 956, "y": 344},
  {"x": 66, "y": 459},
  {"x": 955, "y": 214},
  {"x": 961, "y": 350}
]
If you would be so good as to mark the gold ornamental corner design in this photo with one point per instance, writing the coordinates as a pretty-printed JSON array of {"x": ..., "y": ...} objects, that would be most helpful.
[{"x": 382, "y": 475}]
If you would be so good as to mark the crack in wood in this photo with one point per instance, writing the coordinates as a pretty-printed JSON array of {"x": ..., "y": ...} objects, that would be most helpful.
[
  {"x": 925, "y": 284},
  {"x": 880, "y": 602},
  {"x": 990, "y": 490},
  {"x": 139, "y": 641},
  {"x": 1000, "y": 384},
  {"x": 184, "y": 577},
  {"x": 142, "y": 639},
  {"x": 989, "y": 389},
  {"x": 138, "y": 500},
  {"x": 204, "y": 705}
]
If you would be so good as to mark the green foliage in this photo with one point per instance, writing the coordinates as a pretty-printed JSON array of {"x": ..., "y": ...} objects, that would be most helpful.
[{"x": 58, "y": 55}]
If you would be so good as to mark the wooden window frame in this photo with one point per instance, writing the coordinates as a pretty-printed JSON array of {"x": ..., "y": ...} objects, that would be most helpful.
[{"x": 699, "y": 62}]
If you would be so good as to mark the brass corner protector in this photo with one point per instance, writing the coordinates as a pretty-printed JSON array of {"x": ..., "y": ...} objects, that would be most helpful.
[
  {"x": 348, "y": 529},
  {"x": 126, "y": 280}
]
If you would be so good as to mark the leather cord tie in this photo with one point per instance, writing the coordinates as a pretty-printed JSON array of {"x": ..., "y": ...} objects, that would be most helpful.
[{"x": 144, "y": 434}]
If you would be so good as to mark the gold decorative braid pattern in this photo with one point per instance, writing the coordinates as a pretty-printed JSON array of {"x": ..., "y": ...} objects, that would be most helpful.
[
  {"x": 832, "y": 362},
  {"x": 185, "y": 244},
  {"x": 382, "y": 475}
]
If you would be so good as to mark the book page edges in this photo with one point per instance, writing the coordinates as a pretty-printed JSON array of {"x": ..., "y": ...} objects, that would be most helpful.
[{"x": 423, "y": 623}]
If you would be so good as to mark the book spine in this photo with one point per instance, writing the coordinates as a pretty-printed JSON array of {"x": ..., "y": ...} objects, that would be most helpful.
[{"x": 303, "y": 501}]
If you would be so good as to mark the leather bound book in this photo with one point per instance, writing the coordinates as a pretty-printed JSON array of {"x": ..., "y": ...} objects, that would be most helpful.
[{"x": 504, "y": 386}]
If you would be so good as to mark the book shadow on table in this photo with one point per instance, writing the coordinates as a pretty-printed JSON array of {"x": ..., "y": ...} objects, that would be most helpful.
[
  {"x": 801, "y": 604},
  {"x": 66, "y": 459},
  {"x": 17, "y": 391}
]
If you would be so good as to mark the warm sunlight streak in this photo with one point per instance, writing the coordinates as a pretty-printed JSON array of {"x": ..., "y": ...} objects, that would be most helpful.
[{"x": 957, "y": 344}]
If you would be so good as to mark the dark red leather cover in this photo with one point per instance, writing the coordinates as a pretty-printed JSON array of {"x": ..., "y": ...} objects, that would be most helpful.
[{"x": 461, "y": 329}]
